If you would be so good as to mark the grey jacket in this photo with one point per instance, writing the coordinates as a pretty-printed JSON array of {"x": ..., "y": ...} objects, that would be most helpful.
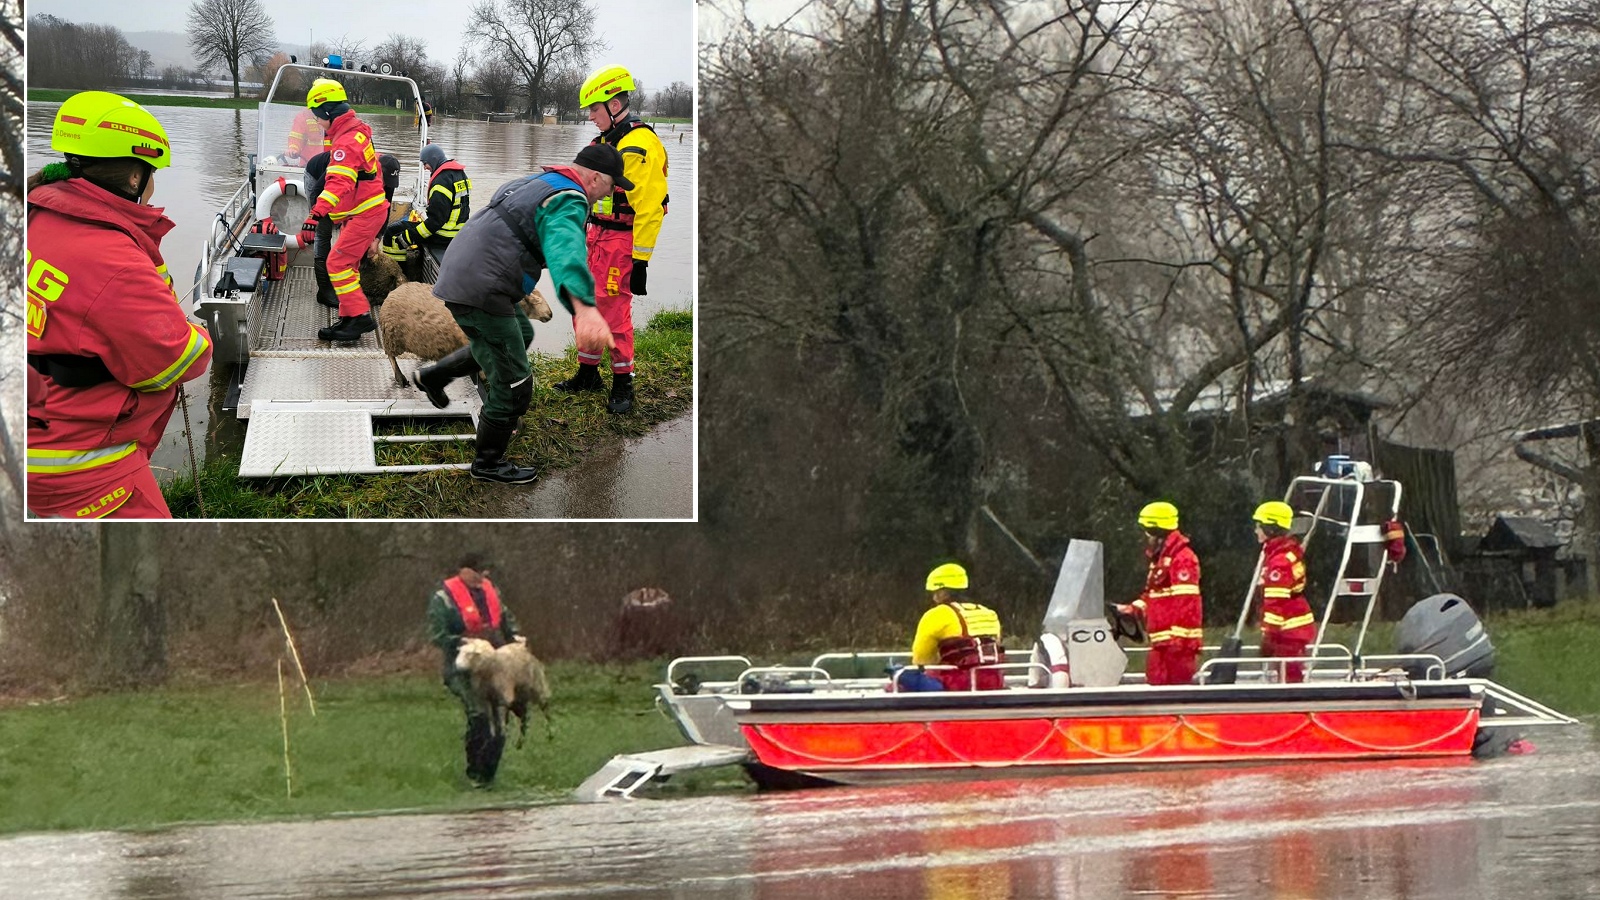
[{"x": 496, "y": 247}]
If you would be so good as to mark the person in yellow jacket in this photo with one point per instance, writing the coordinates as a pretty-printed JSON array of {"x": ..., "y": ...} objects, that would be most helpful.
[
  {"x": 622, "y": 229},
  {"x": 955, "y": 631}
]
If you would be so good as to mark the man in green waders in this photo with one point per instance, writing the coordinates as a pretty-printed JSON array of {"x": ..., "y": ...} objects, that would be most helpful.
[
  {"x": 529, "y": 225},
  {"x": 466, "y": 605}
]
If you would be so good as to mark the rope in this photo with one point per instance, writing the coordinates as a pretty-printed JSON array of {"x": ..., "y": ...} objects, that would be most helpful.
[{"x": 194, "y": 465}]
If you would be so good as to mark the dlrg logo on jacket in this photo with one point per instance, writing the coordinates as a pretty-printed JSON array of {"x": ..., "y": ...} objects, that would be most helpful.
[{"x": 45, "y": 284}]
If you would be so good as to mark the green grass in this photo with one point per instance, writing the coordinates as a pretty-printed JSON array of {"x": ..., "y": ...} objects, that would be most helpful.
[
  {"x": 216, "y": 753},
  {"x": 52, "y": 95},
  {"x": 556, "y": 433}
]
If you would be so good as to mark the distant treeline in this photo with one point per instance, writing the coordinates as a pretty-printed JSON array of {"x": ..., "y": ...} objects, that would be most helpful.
[{"x": 64, "y": 54}]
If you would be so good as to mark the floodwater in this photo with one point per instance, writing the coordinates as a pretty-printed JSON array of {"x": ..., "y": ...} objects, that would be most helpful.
[
  {"x": 208, "y": 152},
  {"x": 1523, "y": 826},
  {"x": 651, "y": 477}
]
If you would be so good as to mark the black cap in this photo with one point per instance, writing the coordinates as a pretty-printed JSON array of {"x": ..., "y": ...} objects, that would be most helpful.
[{"x": 604, "y": 158}]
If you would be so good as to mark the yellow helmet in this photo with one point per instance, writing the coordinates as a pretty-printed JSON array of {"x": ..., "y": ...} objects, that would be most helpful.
[
  {"x": 324, "y": 90},
  {"x": 949, "y": 575},
  {"x": 109, "y": 126},
  {"x": 1274, "y": 512},
  {"x": 1159, "y": 514},
  {"x": 604, "y": 84}
]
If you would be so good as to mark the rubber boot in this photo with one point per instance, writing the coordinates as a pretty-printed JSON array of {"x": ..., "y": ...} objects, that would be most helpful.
[
  {"x": 348, "y": 328},
  {"x": 490, "y": 761},
  {"x": 325, "y": 292},
  {"x": 476, "y": 741},
  {"x": 491, "y": 464},
  {"x": 432, "y": 380},
  {"x": 621, "y": 393},
  {"x": 587, "y": 379}
]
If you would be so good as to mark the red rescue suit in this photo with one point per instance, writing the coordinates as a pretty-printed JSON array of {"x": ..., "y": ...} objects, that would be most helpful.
[
  {"x": 1170, "y": 607},
  {"x": 352, "y": 196},
  {"x": 306, "y": 134},
  {"x": 108, "y": 350},
  {"x": 623, "y": 227},
  {"x": 471, "y": 617},
  {"x": 1287, "y": 625}
]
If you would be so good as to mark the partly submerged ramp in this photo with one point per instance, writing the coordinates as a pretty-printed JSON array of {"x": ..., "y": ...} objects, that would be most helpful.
[{"x": 627, "y": 772}]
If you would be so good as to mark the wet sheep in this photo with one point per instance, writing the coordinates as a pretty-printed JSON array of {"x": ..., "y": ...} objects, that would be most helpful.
[
  {"x": 508, "y": 679},
  {"x": 414, "y": 321}
]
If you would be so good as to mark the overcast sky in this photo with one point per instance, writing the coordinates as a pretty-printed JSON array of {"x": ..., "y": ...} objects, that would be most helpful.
[{"x": 653, "y": 38}]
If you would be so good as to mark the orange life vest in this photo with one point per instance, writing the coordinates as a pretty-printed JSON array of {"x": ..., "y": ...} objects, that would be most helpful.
[{"x": 470, "y": 616}]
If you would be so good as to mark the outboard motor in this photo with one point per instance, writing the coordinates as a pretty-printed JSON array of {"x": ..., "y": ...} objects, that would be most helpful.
[{"x": 1445, "y": 626}]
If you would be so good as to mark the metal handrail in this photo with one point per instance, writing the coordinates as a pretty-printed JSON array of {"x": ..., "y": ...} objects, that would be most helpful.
[{"x": 684, "y": 660}]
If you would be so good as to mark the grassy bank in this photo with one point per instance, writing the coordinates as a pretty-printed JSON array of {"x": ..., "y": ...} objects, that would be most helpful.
[
  {"x": 215, "y": 752},
  {"x": 51, "y": 95},
  {"x": 556, "y": 433}
]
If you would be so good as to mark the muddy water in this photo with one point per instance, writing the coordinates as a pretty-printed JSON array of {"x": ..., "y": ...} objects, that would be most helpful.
[
  {"x": 209, "y": 149},
  {"x": 1526, "y": 826}
]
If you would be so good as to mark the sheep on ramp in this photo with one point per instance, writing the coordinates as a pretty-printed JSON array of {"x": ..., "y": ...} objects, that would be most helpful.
[
  {"x": 509, "y": 679},
  {"x": 414, "y": 321}
]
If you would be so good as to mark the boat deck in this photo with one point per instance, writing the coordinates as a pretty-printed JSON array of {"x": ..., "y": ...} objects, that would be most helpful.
[{"x": 311, "y": 405}]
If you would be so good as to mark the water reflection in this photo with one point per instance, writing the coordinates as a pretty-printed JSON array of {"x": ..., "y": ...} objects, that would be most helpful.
[
  {"x": 1527, "y": 827},
  {"x": 209, "y": 150}
]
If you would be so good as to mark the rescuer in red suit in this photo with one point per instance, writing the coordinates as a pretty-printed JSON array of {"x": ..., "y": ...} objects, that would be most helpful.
[
  {"x": 1287, "y": 625},
  {"x": 1170, "y": 605}
]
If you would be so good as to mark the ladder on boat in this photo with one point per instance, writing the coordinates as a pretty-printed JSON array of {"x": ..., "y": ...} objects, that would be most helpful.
[
  {"x": 1356, "y": 510},
  {"x": 628, "y": 772},
  {"x": 312, "y": 406}
]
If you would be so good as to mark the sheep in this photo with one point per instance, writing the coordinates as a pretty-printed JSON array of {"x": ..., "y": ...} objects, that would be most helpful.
[
  {"x": 508, "y": 678},
  {"x": 413, "y": 320},
  {"x": 380, "y": 275}
]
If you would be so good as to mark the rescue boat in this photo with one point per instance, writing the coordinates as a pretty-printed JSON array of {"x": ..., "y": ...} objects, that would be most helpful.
[
  {"x": 1071, "y": 705},
  {"x": 310, "y": 405}
]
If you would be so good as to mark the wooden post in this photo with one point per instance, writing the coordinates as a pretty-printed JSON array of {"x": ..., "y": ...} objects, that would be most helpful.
[
  {"x": 283, "y": 717},
  {"x": 289, "y": 639}
]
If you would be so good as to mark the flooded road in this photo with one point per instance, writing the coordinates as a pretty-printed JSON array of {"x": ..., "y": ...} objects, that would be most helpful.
[
  {"x": 209, "y": 149},
  {"x": 1525, "y": 826}
]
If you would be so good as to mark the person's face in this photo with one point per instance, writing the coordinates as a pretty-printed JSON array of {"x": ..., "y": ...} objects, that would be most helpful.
[
  {"x": 472, "y": 577},
  {"x": 149, "y": 188},
  {"x": 598, "y": 185},
  {"x": 1261, "y": 536},
  {"x": 1152, "y": 538},
  {"x": 603, "y": 115}
]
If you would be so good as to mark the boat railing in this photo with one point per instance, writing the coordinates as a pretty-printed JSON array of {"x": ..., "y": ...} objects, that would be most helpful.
[
  {"x": 225, "y": 230},
  {"x": 673, "y": 667},
  {"x": 1378, "y": 664},
  {"x": 784, "y": 676}
]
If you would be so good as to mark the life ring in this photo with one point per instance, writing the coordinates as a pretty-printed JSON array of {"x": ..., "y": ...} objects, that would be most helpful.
[
  {"x": 272, "y": 192},
  {"x": 1049, "y": 652}
]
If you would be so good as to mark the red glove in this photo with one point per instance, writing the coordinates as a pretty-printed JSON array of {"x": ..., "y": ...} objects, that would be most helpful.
[{"x": 308, "y": 231}]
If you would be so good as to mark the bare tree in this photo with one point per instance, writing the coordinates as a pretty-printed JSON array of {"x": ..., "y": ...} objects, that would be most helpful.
[
  {"x": 458, "y": 77},
  {"x": 536, "y": 37},
  {"x": 495, "y": 79},
  {"x": 675, "y": 101},
  {"x": 227, "y": 33}
]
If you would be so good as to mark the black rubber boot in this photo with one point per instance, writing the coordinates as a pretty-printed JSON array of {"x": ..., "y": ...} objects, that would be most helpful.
[
  {"x": 491, "y": 464},
  {"x": 432, "y": 380},
  {"x": 325, "y": 292},
  {"x": 491, "y": 756},
  {"x": 348, "y": 328},
  {"x": 476, "y": 741},
  {"x": 587, "y": 379},
  {"x": 621, "y": 394}
]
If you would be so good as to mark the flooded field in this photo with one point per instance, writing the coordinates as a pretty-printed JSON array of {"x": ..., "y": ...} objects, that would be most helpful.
[
  {"x": 209, "y": 164},
  {"x": 1524, "y": 826}
]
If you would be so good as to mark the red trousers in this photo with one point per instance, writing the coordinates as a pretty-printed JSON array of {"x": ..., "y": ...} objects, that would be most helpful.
[
  {"x": 344, "y": 263},
  {"x": 611, "y": 263},
  {"x": 125, "y": 489},
  {"x": 1167, "y": 664},
  {"x": 1274, "y": 644}
]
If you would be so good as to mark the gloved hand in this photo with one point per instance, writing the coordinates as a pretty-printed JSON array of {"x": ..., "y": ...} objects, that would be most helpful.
[
  {"x": 308, "y": 230},
  {"x": 637, "y": 283},
  {"x": 396, "y": 230}
]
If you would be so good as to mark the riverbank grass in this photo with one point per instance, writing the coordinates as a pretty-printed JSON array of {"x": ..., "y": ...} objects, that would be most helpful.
[
  {"x": 52, "y": 95},
  {"x": 557, "y": 431},
  {"x": 214, "y": 753}
]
